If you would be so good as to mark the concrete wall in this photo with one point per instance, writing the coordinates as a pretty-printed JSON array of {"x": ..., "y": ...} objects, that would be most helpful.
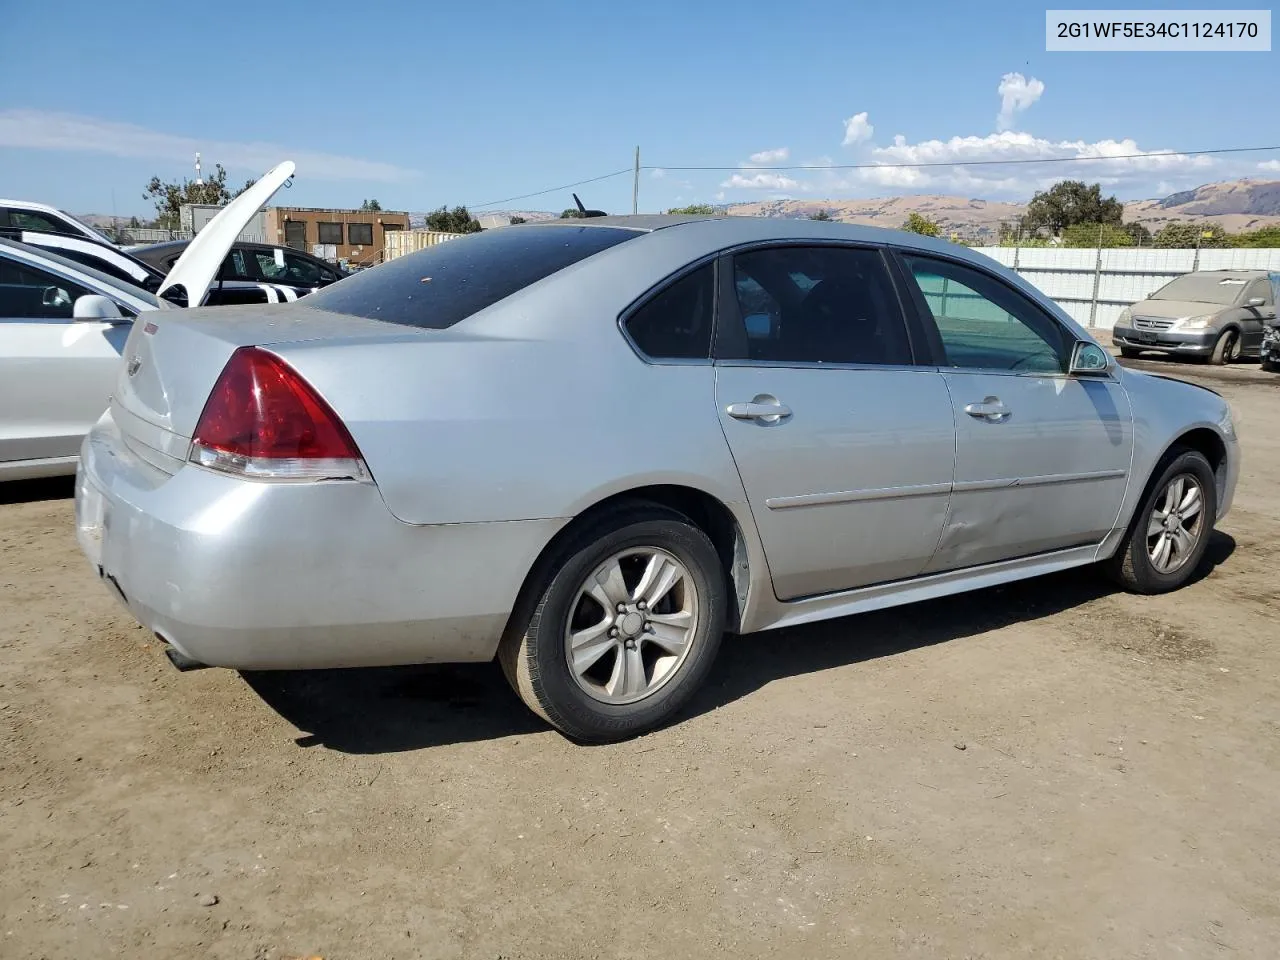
[{"x": 1095, "y": 285}]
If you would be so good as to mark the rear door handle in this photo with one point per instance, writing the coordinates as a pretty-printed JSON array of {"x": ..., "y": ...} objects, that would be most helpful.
[
  {"x": 770, "y": 411},
  {"x": 991, "y": 409}
]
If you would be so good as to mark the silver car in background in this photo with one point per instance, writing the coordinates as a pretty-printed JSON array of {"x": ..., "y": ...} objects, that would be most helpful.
[
  {"x": 591, "y": 448},
  {"x": 1218, "y": 316}
]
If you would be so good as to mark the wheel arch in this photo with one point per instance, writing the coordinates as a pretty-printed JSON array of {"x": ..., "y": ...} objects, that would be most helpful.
[
  {"x": 706, "y": 511},
  {"x": 1203, "y": 439}
]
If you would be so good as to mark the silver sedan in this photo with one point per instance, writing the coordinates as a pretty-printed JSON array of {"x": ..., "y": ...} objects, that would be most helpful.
[{"x": 591, "y": 448}]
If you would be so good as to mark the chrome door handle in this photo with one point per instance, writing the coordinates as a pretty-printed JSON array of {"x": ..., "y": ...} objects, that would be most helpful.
[
  {"x": 769, "y": 412},
  {"x": 990, "y": 409}
]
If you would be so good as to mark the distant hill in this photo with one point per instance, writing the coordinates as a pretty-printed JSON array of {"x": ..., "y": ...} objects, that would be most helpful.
[{"x": 1234, "y": 205}]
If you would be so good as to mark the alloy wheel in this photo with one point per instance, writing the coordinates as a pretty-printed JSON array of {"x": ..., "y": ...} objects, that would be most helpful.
[
  {"x": 631, "y": 625},
  {"x": 1176, "y": 523}
]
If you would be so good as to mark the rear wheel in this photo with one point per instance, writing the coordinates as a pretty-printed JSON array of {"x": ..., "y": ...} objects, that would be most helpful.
[
  {"x": 1170, "y": 530},
  {"x": 1227, "y": 348},
  {"x": 625, "y": 625}
]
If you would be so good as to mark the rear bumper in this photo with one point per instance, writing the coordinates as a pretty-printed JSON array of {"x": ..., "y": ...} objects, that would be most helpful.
[
  {"x": 253, "y": 575},
  {"x": 1172, "y": 341}
]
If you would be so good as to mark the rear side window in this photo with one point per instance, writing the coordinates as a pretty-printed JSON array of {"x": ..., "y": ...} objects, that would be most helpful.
[
  {"x": 437, "y": 287},
  {"x": 675, "y": 324}
]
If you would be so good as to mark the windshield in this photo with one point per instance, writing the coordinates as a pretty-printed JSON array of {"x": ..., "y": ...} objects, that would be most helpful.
[
  {"x": 1202, "y": 288},
  {"x": 437, "y": 287},
  {"x": 101, "y": 236},
  {"x": 106, "y": 280}
]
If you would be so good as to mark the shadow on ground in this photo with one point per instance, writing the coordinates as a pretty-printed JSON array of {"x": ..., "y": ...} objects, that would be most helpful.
[
  {"x": 31, "y": 491},
  {"x": 394, "y": 709}
]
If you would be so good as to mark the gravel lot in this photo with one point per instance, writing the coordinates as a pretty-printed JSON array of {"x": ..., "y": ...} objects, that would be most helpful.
[{"x": 1050, "y": 769}]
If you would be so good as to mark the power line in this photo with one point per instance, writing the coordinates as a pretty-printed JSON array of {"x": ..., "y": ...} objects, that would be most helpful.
[
  {"x": 971, "y": 163},
  {"x": 538, "y": 193},
  {"x": 880, "y": 166}
]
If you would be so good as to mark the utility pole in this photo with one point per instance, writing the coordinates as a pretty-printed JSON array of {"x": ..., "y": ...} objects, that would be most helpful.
[{"x": 635, "y": 185}]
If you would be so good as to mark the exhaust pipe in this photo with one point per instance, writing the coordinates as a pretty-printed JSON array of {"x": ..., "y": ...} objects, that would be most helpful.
[{"x": 180, "y": 660}]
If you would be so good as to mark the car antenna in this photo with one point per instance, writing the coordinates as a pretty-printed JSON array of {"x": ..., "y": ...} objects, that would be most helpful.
[{"x": 584, "y": 212}]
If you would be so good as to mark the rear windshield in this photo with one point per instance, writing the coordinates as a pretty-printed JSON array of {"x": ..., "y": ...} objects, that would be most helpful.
[
  {"x": 1201, "y": 288},
  {"x": 441, "y": 285}
]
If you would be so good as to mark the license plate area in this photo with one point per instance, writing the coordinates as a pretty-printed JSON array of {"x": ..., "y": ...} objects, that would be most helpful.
[{"x": 1147, "y": 336}]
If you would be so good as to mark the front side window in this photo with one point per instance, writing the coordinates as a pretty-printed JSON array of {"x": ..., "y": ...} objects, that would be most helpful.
[
  {"x": 27, "y": 293},
  {"x": 984, "y": 324},
  {"x": 1261, "y": 290},
  {"x": 360, "y": 234},
  {"x": 676, "y": 323},
  {"x": 235, "y": 267},
  {"x": 819, "y": 305},
  {"x": 330, "y": 232}
]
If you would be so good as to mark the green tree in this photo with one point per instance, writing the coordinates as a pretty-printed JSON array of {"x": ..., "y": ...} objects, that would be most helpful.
[
  {"x": 1265, "y": 237},
  {"x": 133, "y": 223},
  {"x": 515, "y": 220},
  {"x": 1096, "y": 235},
  {"x": 371, "y": 205},
  {"x": 693, "y": 210},
  {"x": 821, "y": 215},
  {"x": 915, "y": 223},
  {"x": 571, "y": 213},
  {"x": 457, "y": 220},
  {"x": 1068, "y": 203},
  {"x": 1183, "y": 234},
  {"x": 1138, "y": 233},
  {"x": 170, "y": 197}
]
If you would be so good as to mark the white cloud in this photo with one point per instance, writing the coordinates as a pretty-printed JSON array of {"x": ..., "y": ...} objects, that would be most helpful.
[
  {"x": 719, "y": 197},
  {"x": 771, "y": 156},
  {"x": 857, "y": 129},
  {"x": 1017, "y": 93},
  {"x": 1117, "y": 164},
  {"x": 760, "y": 181},
  {"x": 1269, "y": 165},
  {"x": 658, "y": 173},
  {"x": 39, "y": 129}
]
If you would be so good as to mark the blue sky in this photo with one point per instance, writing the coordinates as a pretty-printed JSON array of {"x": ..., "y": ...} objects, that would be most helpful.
[{"x": 420, "y": 104}]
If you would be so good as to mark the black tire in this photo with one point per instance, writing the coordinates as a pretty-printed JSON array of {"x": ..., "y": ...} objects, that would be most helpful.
[
  {"x": 1271, "y": 366},
  {"x": 533, "y": 651},
  {"x": 1131, "y": 566},
  {"x": 1130, "y": 353},
  {"x": 1227, "y": 348}
]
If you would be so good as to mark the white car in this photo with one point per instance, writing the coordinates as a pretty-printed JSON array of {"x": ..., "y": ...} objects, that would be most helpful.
[
  {"x": 27, "y": 215},
  {"x": 63, "y": 326}
]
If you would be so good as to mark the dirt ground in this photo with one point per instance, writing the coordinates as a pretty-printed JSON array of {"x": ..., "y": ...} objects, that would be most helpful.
[{"x": 1050, "y": 769}]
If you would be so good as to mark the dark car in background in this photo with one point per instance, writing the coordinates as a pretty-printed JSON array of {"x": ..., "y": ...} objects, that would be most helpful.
[{"x": 262, "y": 265}]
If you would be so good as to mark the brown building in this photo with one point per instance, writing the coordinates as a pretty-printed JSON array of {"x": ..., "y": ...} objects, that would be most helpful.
[{"x": 357, "y": 236}]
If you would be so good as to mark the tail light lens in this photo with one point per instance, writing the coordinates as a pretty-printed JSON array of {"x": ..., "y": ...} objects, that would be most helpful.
[{"x": 265, "y": 422}]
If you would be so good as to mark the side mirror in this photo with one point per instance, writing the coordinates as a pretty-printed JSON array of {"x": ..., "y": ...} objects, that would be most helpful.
[
  {"x": 758, "y": 325},
  {"x": 1089, "y": 360},
  {"x": 1256, "y": 302},
  {"x": 54, "y": 297},
  {"x": 93, "y": 307}
]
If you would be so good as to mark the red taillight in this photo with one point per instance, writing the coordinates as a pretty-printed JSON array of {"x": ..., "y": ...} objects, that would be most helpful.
[{"x": 263, "y": 420}]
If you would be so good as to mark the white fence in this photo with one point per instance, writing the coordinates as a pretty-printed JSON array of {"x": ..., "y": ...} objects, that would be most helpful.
[{"x": 1094, "y": 285}]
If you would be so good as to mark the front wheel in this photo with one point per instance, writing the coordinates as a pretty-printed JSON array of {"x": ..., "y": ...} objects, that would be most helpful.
[
  {"x": 624, "y": 628},
  {"x": 1226, "y": 349},
  {"x": 1170, "y": 531}
]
